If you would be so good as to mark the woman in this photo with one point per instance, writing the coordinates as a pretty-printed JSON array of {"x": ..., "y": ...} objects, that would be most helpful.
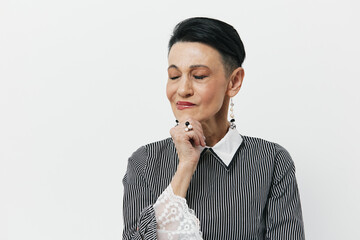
[{"x": 207, "y": 181}]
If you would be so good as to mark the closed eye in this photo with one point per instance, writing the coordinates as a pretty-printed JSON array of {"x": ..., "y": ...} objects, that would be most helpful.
[
  {"x": 173, "y": 78},
  {"x": 200, "y": 77}
]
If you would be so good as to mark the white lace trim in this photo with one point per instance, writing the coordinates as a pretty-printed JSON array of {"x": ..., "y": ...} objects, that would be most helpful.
[{"x": 175, "y": 220}]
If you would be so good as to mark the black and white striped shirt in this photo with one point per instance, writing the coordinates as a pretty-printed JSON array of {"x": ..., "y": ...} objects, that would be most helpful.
[{"x": 254, "y": 197}]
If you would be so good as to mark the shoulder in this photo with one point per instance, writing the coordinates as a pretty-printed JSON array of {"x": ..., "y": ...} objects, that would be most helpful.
[
  {"x": 158, "y": 147},
  {"x": 264, "y": 148},
  {"x": 259, "y": 143},
  {"x": 141, "y": 157},
  {"x": 151, "y": 161},
  {"x": 255, "y": 143}
]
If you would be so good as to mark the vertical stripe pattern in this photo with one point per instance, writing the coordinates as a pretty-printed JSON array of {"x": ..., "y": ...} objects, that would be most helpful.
[{"x": 255, "y": 197}]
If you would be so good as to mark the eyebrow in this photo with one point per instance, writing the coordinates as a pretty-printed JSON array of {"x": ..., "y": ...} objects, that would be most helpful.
[{"x": 192, "y": 66}]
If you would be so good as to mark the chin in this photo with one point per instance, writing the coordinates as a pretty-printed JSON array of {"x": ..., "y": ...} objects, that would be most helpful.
[{"x": 185, "y": 116}]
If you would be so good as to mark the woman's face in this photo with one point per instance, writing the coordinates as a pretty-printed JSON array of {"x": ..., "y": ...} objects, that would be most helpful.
[{"x": 197, "y": 84}]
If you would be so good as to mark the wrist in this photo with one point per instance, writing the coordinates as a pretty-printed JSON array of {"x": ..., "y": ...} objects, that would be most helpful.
[
  {"x": 186, "y": 168},
  {"x": 181, "y": 180}
]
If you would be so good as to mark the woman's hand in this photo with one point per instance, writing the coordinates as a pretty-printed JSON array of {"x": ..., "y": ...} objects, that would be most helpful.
[{"x": 189, "y": 145}]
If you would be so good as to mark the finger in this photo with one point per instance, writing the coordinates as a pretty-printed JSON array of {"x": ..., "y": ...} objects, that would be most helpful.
[
  {"x": 200, "y": 136},
  {"x": 198, "y": 128},
  {"x": 203, "y": 143},
  {"x": 179, "y": 135},
  {"x": 195, "y": 124},
  {"x": 194, "y": 137},
  {"x": 173, "y": 133}
]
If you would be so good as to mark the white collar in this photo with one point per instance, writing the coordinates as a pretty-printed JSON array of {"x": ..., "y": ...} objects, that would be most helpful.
[{"x": 226, "y": 148}]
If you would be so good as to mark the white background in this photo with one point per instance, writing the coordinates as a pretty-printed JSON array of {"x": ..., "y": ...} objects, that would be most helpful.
[{"x": 82, "y": 86}]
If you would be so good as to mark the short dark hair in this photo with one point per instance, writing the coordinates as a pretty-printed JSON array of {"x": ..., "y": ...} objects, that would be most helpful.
[{"x": 215, "y": 33}]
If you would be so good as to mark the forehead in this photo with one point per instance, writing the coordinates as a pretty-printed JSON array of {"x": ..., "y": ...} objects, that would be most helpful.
[{"x": 185, "y": 54}]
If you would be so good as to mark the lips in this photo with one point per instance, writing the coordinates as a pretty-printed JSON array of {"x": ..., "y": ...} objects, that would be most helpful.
[{"x": 184, "y": 105}]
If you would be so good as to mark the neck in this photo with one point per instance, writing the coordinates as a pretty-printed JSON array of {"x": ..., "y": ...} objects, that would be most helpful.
[{"x": 214, "y": 130}]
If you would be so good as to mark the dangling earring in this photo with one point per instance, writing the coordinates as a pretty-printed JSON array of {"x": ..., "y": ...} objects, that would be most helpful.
[{"x": 232, "y": 117}]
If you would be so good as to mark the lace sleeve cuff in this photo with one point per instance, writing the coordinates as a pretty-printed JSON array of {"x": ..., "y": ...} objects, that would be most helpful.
[{"x": 174, "y": 218}]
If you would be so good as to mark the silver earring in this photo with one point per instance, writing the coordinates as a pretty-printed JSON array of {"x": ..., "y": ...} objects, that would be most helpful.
[{"x": 232, "y": 116}]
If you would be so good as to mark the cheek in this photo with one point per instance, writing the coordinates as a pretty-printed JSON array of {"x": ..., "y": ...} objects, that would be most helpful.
[
  {"x": 213, "y": 96},
  {"x": 170, "y": 90},
  {"x": 213, "y": 99}
]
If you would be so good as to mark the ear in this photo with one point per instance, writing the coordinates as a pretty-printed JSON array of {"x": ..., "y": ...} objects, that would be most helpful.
[{"x": 236, "y": 79}]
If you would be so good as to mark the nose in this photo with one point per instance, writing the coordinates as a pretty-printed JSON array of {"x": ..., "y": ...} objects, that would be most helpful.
[{"x": 185, "y": 88}]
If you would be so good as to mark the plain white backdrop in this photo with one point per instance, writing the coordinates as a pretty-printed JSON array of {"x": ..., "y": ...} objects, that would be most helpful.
[{"x": 82, "y": 86}]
